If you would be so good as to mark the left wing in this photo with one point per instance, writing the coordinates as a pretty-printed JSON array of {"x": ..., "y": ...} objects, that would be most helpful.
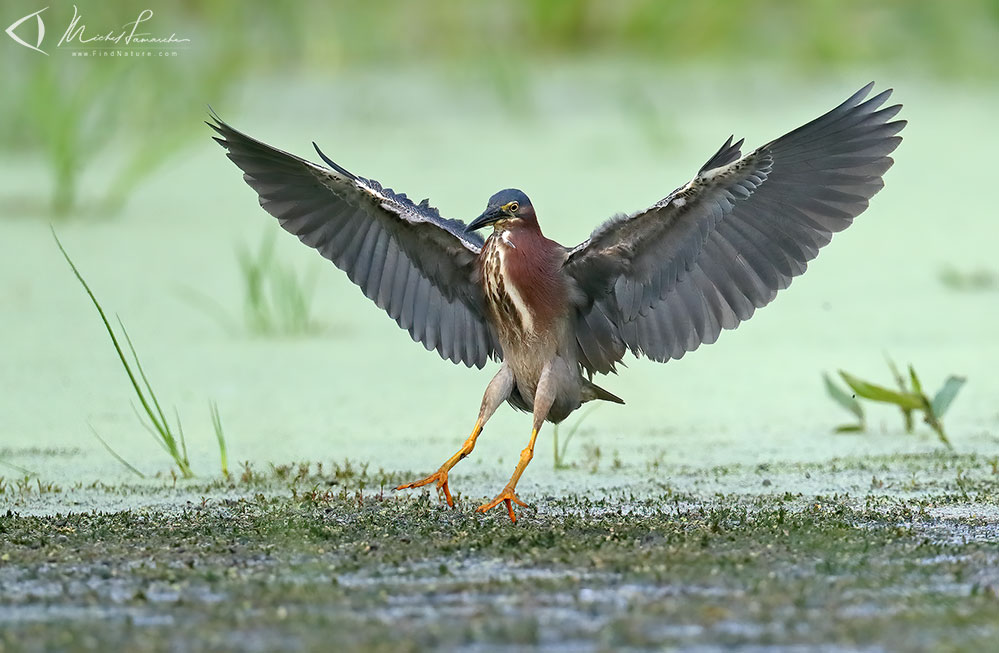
[{"x": 665, "y": 280}]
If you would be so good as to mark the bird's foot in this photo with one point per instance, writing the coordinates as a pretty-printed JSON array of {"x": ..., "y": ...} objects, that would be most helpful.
[
  {"x": 506, "y": 496},
  {"x": 439, "y": 477}
]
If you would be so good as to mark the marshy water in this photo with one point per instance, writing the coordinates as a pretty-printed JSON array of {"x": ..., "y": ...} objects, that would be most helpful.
[{"x": 716, "y": 508}]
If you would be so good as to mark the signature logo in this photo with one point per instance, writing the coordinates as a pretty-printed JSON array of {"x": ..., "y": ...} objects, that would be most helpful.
[
  {"x": 79, "y": 37},
  {"x": 37, "y": 47}
]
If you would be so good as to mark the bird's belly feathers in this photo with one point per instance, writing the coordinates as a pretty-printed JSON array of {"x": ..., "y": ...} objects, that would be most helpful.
[
  {"x": 527, "y": 358},
  {"x": 568, "y": 388}
]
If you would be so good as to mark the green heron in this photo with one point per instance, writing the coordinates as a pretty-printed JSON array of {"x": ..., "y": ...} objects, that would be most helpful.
[{"x": 658, "y": 283}]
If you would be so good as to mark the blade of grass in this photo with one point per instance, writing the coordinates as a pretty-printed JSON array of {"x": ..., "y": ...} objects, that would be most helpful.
[
  {"x": 843, "y": 399},
  {"x": 900, "y": 382},
  {"x": 917, "y": 387},
  {"x": 26, "y": 472},
  {"x": 114, "y": 338},
  {"x": 568, "y": 436},
  {"x": 220, "y": 436},
  {"x": 107, "y": 326},
  {"x": 941, "y": 402},
  {"x": 114, "y": 453},
  {"x": 180, "y": 434},
  {"x": 162, "y": 427},
  {"x": 930, "y": 416},
  {"x": 276, "y": 300},
  {"x": 935, "y": 424},
  {"x": 899, "y": 379},
  {"x": 879, "y": 393},
  {"x": 149, "y": 429},
  {"x": 292, "y": 299},
  {"x": 209, "y": 307},
  {"x": 254, "y": 269}
]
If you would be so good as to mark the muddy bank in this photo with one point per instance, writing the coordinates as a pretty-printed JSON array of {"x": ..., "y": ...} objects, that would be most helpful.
[{"x": 293, "y": 562}]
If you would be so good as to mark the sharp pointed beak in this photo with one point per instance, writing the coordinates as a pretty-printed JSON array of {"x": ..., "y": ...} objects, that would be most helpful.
[{"x": 487, "y": 218}]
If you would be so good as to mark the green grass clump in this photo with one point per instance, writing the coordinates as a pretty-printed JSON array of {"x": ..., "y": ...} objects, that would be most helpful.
[
  {"x": 977, "y": 279},
  {"x": 276, "y": 300},
  {"x": 909, "y": 398},
  {"x": 170, "y": 438}
]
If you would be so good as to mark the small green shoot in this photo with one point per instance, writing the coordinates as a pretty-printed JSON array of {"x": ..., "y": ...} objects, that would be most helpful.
[
  {"x": 880, "y": 393},
  {"x": 909, "y": 398},
  {"x": 559, "y": 461},
  {"x": 171, "y": 441},
  {"x": 978, "y": 279},
  {"x": 900, "y": 382},
  {"x": 848, "y": 402},
  {"x": 276, "y": 301},
  {"x": 213, "y": 408}
]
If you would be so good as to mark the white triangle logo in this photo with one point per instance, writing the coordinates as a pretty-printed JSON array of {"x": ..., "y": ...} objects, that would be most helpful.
[{"x": 41, "y": 31}]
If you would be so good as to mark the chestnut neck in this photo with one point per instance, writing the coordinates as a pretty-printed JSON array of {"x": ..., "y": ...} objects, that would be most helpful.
[{"x": 533, "y": 265}]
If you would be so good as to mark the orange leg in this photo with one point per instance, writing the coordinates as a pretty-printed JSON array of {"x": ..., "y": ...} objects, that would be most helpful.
[
  {"x": 507, "y": 495},
  {"x": 440, "y": 476},
  {"x": 544, "y": 396},
  {"x": 496, "y": 393}
]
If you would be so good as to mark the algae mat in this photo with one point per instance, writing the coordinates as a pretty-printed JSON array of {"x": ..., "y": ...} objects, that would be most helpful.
[{"x": 307, "y": 558}]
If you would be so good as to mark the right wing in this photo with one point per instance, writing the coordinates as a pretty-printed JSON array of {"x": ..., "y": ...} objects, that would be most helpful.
[{"x": 417, "y": 266}]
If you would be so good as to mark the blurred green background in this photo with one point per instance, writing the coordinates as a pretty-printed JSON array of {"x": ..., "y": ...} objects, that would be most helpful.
[
  {"x": 71, "y": 112},
  {"x": 762, "y": 527},
  {"x": 591, "y": 107}
]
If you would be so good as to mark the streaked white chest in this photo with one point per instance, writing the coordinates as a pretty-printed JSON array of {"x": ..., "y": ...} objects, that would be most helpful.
[{"x": 504, "y": 296}]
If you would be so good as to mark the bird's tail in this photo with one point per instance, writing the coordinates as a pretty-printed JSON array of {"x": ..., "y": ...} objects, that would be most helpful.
[{"x": 592, "y": 391}]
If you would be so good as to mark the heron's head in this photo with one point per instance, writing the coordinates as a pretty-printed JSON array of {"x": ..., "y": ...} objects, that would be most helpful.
[{"x": 507, "y": 208}]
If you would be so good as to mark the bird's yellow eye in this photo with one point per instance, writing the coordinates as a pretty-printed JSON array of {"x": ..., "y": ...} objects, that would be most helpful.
[{"x": 512, "y": 207}]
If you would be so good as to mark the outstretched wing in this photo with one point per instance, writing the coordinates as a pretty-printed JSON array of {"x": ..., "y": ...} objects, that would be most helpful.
[
  {"x": 417, "y": 266},
  {"x": 663, "y": 281}
]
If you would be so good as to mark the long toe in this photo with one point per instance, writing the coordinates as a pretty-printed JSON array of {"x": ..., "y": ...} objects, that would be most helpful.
[
  {"x": 507, "y": 497},
  {"x": 439, "y": 477},
  {"x": 415, "y": 484}
]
